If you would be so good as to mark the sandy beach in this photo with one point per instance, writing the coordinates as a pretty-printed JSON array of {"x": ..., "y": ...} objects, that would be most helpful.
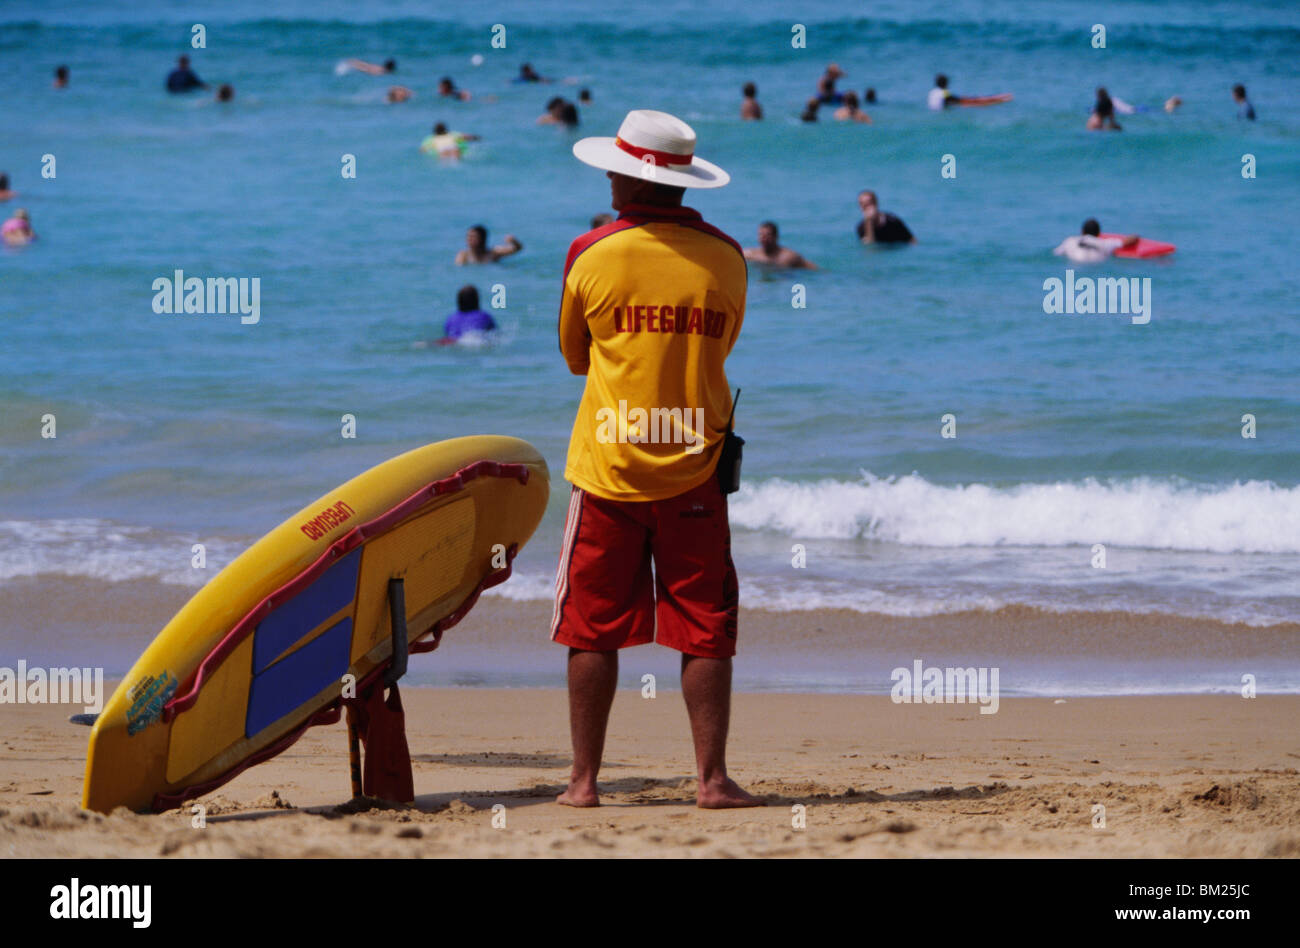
[
  {"x": 1197, "y": 776},
  {"x": 1178, "y": 775}
]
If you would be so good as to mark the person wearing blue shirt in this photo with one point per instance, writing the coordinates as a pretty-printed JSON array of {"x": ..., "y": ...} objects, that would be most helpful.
[
  {"x": 468, "y": 317},
  {"x": 1244, "y": 109}
]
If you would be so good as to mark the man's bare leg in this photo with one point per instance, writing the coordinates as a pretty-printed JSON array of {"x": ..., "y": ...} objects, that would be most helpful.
[
  {"x": 593, "y": 677},
  {"x": 706, "y": 686}
]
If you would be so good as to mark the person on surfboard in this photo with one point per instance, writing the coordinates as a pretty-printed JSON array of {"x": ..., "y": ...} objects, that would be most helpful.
[
  {"x": 1089, "y": 246},
  {"x": 651, "y": 307},
  {"x": 941, "y": 96}
]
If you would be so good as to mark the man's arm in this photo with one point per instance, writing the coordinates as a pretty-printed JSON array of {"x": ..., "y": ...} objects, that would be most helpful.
[
  {"x": 742, "y": 285},
  {"x": 575, "y": 337},
  {"x": 510, "y": 246},
  {"x": 869, "y": 229}
]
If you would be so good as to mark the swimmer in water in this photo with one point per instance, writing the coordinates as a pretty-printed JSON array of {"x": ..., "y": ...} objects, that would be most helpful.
[
  {"x": 528, "y": 74},
  {"x": 183, "y": 78},
  {"x": 1173, "y": 103},
  {"x": 17, "y": 230},
  {"x": 1103, "y": 113},
  {"x": 559, "y": 112},
  {"x": 5, "y": 193},
  {"x": 850, "y": 112},
  {"x": 1244, "y": 109},
  {"x": 869, "y": 96},
  {"x": 468, "y": 317},
  {"x": 750, "y": 110},
  {"x": 226, "y": 93},
  {"x": 398, "y": 94},
  {"x": 372, "y": 69},
  {"x": 1089, "y": 246},
  {"x": 826, "y": 85},
  {"x": 445, "y": 143},
  {"x": 601, "y": 219},
  {"x": 770, "y": 252},
  {"x": 810, "y": 111},
  {"x": 61, "y": 77},
  {"x": 477, "y": 249},
  {"x": 584, "y": 96},
  {"x": 878, "y": 227},
  {"x": 447, "y": 89}
]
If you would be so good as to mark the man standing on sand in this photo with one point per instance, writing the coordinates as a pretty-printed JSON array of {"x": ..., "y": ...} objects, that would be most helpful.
[{"x": 651, "y": 306}]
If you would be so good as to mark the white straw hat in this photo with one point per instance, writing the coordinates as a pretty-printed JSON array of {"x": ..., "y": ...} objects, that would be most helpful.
[{"x": 652, "y": 145}]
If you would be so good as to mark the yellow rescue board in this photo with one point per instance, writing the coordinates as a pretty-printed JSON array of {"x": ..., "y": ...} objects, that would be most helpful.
[{"x": 261, "y": 652}]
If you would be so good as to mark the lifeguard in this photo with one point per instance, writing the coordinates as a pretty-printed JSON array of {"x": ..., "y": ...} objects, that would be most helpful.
[{"x": 651, "y": 306}]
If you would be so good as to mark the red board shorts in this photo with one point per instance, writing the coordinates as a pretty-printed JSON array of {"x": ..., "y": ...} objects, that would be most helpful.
[{"x": 605, "y": 595}]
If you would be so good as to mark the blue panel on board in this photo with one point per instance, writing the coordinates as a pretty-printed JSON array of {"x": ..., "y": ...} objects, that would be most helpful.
[
  {"x": 298, "y": 677},
  {"x": 289, "y": 622}
]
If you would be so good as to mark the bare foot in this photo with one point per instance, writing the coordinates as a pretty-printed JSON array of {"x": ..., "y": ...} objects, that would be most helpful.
[
  {"x": 724, "y": 794},
  {"x": 577, "y": 795}
]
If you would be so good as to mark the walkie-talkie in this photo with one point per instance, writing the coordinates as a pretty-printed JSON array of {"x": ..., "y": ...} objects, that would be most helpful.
[{"x": 733, "y": 449}]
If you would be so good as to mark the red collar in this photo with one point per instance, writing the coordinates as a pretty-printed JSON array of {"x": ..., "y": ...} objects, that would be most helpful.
[{"x": 654, "y": 212}]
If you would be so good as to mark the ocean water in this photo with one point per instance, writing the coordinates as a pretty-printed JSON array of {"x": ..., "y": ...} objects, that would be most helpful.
[{"x": 1071, "y": 431}]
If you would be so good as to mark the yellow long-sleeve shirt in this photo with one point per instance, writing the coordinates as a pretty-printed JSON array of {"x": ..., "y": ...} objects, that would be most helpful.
[{"x": 651, "y": 307}]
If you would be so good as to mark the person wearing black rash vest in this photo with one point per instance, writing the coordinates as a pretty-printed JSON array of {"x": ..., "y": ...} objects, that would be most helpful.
[
  {"x": 879, "y": 227},
  {"x": 183, "y": 78},
  {"x": 1103, "y": 113}
]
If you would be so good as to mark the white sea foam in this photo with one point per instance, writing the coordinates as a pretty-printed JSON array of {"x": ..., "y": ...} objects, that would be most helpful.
[
  {"x": 100, "y": 549},
  {"x": 1180, "y": 540},
  {"x": 1250, "y": 517},
  {"x": 776, "y": 593}
]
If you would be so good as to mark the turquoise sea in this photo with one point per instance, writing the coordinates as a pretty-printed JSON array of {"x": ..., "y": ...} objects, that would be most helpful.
[{"x": 1071, "y": 430}]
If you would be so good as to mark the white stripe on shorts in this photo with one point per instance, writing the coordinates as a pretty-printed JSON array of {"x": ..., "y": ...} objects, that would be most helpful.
[{"x": 566, "y": 554}]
